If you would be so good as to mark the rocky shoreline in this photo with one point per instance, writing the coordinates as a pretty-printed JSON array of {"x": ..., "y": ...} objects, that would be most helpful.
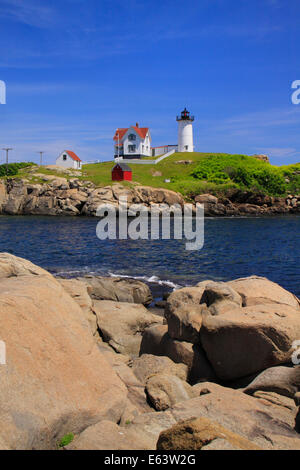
[
  {"x": 86, "y": 358},
  {"x": 59, "y": 196}
]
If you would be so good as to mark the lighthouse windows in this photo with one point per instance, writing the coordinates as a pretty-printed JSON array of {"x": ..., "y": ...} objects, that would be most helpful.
[{"x": 131, "y": 137}]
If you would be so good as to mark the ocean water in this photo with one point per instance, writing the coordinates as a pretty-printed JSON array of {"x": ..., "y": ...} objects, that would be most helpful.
[{"x": 233, "y": 247}]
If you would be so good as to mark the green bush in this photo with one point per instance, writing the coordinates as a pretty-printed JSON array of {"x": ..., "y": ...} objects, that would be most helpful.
[
  {"x": 12, "y": 169},
  {"x": 291, "y": 174},
  {"x": 245, "y": 172}
]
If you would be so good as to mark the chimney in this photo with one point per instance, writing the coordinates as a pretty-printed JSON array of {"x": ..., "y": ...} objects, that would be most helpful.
[{"x": 137, "y": 124}]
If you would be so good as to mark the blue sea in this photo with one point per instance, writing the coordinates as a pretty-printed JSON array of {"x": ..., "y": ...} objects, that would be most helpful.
[{"x": 233, "y": 247}]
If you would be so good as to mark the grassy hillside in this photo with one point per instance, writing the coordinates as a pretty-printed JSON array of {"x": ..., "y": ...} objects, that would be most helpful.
[
  {"x": 214, "y": 173},
  {"x": 205, "y": 173}
]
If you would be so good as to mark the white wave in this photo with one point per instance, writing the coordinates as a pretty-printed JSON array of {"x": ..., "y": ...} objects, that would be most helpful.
[{"x": 151, "y": 279}]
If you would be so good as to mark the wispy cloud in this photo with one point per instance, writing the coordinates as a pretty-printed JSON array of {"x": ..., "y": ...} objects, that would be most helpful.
[
  {"x": 32, "y": 133},
  {"x": 74, "y": 34},
  {"x": 42, "y": 88},
  {"x": 257, "y": 120},
  {"x": 32, "y": 13},
  {"x": 279, "y": 152}
]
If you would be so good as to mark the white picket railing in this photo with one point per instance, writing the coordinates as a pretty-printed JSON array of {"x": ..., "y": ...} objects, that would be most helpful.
[
  {"x": 149, "y": 162},
  {"x": 135, "y": 160}
]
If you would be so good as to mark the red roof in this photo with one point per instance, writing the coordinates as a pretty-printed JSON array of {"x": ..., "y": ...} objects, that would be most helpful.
[
  {"x": 73, "y": 155},
  {"x": 121, "y": 133},
  {"x": 141, "y": 131}
]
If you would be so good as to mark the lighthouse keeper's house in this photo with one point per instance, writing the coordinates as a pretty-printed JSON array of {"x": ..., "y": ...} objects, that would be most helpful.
[{"x": 132, "y": 142}]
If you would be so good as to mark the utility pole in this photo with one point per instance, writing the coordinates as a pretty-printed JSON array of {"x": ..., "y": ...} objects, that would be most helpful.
[
  {"x": 41, "y": 157},
  {"x": 7, "y": 150},
  {"x": 118, "y": 145}
]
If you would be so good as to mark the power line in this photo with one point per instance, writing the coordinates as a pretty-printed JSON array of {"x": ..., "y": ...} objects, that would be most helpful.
[
  {"x": 41, "y": 157},
  {"x": 7, "y": 150}
]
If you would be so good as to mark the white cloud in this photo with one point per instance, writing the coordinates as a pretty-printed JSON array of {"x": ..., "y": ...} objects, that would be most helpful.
[{"x": 29, "y": 12}]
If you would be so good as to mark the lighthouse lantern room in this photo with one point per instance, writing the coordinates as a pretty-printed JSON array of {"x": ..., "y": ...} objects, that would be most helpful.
[{"x": 185, "y": 132}]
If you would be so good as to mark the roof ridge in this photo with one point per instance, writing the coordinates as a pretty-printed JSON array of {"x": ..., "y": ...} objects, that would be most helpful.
[{"x": 73, "y": 155}]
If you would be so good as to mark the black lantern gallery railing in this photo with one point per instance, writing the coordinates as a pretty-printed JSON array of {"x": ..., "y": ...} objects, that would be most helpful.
[{"x": 185, "y": 116}]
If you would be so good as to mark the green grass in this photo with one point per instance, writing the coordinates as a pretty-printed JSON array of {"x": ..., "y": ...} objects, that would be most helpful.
[
  {"x": 208, "y": 173},
  {"x": 65, "y": 440},
  {"x": 179, "y": 174},
  {"x": 31, "y": 172}
]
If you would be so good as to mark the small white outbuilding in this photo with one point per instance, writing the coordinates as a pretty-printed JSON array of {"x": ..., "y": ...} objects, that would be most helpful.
[{"x": 69, "y": 159}]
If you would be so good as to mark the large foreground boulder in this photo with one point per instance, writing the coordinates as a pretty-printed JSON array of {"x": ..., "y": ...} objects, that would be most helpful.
[
  {"x": 256, "y": 290},
  {"x": 157, "y": 341},
  {"x": 118, "y": 289},
  {"x": 121, "y": 324},
  {"x": 165, "y": 390},
  {"x": 269, "y": 424},
  {"x": 150, "y": 425},
  {"x": 184, "y": 322},
  {"x": 250, "y": 339},
  {"x": 136, "y": 398},
  {"x": 13, "y": 266},
  {"x": 148, "y": 365},
  {"x": 220, "y": 298},
  {"x": 109, "y": 436},
  {"x": 202, "y": 434},
  {"x": 79, "y": 292},
  {"x": 282, "y": 380},
  {"x": 55, "y": 380}
]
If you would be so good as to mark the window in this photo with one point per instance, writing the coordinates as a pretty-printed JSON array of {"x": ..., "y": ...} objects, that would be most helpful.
[
  {"x": 64, "y": 157},
  {"x": 131, "y": 148},
  {"x": 132, "y": 137}
]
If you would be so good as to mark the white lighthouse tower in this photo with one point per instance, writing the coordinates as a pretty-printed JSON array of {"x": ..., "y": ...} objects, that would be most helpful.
[{"x": 185, "y": 132}]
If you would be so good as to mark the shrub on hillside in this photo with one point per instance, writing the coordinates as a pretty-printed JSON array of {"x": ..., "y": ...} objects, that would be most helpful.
[
  {"x": 12, "y": 169},
  {"x": 8, "y": 170},
  {"x": 246, "y": 172},
  {"x": 291, "y": 174}
]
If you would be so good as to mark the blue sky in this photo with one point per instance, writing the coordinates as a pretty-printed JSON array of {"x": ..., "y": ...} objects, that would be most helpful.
[{"x": 77, "y": 69}]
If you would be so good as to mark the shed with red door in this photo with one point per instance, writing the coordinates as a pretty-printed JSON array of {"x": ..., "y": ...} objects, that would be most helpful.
[{"x": 121, "y": 172}]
